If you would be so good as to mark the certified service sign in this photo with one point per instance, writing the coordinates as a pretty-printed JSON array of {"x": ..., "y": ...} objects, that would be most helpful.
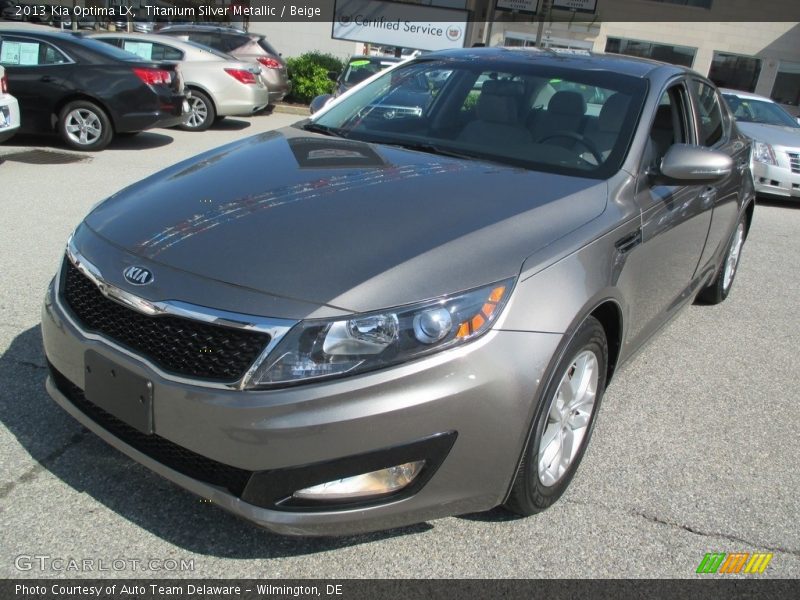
[{"x": 395, "y": 24}]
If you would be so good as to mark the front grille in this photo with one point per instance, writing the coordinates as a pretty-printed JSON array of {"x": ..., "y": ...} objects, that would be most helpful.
[
  {"x": 794, "y": 161},
  {"x": 158, "y": 448},
  {"x": 177, "y": 345}
]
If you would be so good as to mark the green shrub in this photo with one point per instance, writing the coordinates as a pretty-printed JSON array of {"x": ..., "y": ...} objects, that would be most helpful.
[{"x": 309, "y": 75}]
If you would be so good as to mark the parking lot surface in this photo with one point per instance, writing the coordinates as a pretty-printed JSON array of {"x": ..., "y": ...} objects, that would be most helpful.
[{"x": 695, "y": 448}]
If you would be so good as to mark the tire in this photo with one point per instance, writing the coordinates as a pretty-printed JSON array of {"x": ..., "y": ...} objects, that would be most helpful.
[
  {"x": 541, "y": 479},
  {"x": 719, "y": 289},
  {"x": 202, "y": 112},
  {"x": 85, "y": 126}
]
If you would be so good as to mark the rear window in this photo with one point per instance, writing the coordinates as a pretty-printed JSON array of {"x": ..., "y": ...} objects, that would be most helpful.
[{"x": 267, "y": 47}]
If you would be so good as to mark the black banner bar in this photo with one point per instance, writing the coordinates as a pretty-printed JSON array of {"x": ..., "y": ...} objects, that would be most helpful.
[
  {"x": 733, "y": 588},
  {"x": 299, "y": 11}
]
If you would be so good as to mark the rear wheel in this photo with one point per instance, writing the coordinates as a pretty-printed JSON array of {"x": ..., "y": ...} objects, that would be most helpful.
[
  {"x": 723, "y": 282},
  {"x": 201, "y": 112},
  {"x": 85, "y": 126},
  {"x": 564, "y": 424}
]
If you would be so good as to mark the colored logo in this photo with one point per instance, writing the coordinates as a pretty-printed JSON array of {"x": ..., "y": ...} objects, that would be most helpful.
[
  {"x": 453, "y": 33},
  {"x": 737, "y": 562}
]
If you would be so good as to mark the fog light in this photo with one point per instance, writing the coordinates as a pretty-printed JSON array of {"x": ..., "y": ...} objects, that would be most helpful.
[{"x": 375, "y": 483}]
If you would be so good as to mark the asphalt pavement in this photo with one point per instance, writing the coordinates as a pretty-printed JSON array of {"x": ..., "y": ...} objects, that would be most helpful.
[{"x": 695, "y": 449}]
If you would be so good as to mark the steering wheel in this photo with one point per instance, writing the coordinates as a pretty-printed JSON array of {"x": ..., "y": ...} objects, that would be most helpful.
[{"x": 576, "y": 137}]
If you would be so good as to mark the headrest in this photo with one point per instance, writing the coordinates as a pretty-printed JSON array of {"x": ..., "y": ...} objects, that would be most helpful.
[
  {"x": 567, "y": 103},
  {"x": 497, "y": 102},
  {"x": 613, "y": 113}
]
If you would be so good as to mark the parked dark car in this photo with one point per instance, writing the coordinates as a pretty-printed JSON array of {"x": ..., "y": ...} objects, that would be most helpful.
[
  {"x": 10, "y": 11},
  {"x": 86, "y": 90},
  {"x": 244, "y": 46},
  {"x": 357, "y": 323}
]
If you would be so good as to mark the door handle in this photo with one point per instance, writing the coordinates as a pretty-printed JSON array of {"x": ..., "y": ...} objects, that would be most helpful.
[
  {"x": 708, "y": 196},
  {"x": 47, "y": 79}
]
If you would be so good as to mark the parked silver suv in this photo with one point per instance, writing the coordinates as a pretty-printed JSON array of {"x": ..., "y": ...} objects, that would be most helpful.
[{"x": 244, "y": 46}]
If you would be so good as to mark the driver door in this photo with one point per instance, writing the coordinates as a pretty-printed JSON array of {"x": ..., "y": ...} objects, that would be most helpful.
[{"x": 675, "y": 222}]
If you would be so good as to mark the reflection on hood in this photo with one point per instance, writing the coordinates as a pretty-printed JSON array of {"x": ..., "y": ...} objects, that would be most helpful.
[{"x": 281, "y": 196}]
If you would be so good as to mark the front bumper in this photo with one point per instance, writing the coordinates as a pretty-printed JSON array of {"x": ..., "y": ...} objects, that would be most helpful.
[
  {"x": 777, "y": 180},
  {"x": 482, "y": 392}
]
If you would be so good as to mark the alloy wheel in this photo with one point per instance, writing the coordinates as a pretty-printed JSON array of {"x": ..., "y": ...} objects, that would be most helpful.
[
  {"x": 83, "y": 126},
  {"x": 198, "y": 112},
  {"x": 733, "y": 256},
  {"x": 568, "y": 418}
]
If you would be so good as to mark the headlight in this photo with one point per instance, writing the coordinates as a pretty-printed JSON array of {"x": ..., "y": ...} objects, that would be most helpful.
[
  {"x": 316, "y": 349},
  {"x": 763, "y": 153}
]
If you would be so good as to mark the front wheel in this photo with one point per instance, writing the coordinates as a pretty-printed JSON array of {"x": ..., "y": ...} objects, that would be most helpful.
[
  {"x": 719, "y": 289},
  {"x": 564, "y": 423},
  {"x": 85, "y": 126}
]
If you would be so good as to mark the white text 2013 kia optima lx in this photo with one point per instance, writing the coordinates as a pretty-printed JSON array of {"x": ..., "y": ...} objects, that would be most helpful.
[{"x": 410, "y": 305}]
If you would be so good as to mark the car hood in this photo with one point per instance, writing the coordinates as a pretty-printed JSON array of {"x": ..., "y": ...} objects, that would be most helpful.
[
  {"x": 344, "y": 224},
  {"x": 771, "y": 134}
]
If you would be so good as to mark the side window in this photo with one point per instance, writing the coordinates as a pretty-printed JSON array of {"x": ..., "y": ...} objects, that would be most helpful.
[
  {"x": 710, "y": 112},
  {"x": 162, "y": 52},
  {"x": 670, "y": 124},
  {"x": 28, "y": 53},
  {"x": 143, "y": 50},
  {"x": 52, "y": 56}
]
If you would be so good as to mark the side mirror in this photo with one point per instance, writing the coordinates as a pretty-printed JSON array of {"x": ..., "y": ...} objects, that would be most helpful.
[
  {"x": 333, "y": 76},
  {"x": 684, "y": 163},
  {"x": 318, "y": 102}
]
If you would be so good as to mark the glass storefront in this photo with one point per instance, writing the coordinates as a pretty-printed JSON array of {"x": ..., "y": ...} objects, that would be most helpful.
[
  {"x": 786, "y": 89},
  {"x": 735, "y": 71},
  {"x": 676, "y": 55}
]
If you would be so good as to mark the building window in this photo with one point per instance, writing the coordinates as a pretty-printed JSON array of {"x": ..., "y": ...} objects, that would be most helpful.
[
  {"x": 787, "y": 84},
  {"x": 676, "y": 55},
  {"x": 735, "y": 72},
  {"x": 697, "y": 3}
]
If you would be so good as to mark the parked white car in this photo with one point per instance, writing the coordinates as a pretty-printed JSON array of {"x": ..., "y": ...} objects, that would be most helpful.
[
  {"x": 219, "y": 85},
  {"x": 9, "y": 110},
  {"x": 776, "y": 143}
]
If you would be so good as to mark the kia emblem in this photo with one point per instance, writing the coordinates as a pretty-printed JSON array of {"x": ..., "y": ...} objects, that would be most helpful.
[{"x": 137, "y": 275}]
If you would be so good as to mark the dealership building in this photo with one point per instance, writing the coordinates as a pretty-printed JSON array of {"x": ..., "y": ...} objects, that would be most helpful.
[
  {"x": 727, "y": 40},
  {"x": 733, "y": 42}
]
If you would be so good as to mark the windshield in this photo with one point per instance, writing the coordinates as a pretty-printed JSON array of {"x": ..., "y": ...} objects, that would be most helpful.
[
  {"x": 539, "y": 117},
  {"x": 748, "y": 110}
]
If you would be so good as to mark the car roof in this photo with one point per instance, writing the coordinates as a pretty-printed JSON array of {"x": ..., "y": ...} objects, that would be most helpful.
[
  {"x": 46, "y": 34},
  {"x": 210, "y": 28},
  {"x": 745, "y": 95},
  {"x": 149, "y": 37},
  {"x": 571, "y": 59}
]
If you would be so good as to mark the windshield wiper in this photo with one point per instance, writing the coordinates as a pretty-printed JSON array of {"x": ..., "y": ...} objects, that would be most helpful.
[
  {"x": 324, "y": 129},
  {"x": 430, "y": 148}
]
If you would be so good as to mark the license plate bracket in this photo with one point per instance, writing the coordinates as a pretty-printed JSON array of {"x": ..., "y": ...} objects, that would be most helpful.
[{"x": 118, "y": 391}]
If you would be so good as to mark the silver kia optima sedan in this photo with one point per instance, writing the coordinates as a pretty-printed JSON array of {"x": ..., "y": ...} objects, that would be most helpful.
[{"x": 364, "y": 321}]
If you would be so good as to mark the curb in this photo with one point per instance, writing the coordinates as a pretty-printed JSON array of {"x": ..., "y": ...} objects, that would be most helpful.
[{"x": 292, "y": 109}]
